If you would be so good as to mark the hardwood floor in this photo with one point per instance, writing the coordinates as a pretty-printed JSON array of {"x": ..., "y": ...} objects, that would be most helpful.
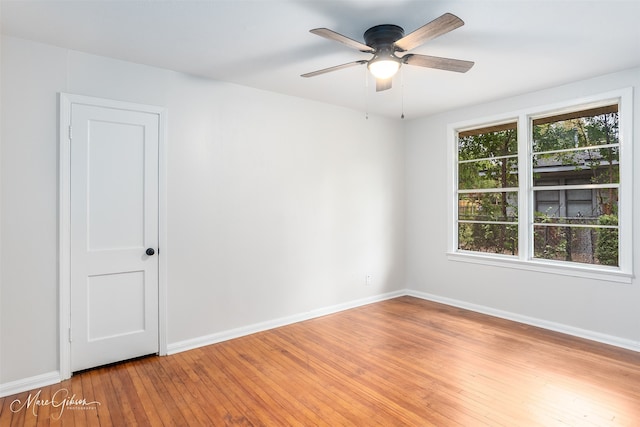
[{"x": 401, "y": 362}]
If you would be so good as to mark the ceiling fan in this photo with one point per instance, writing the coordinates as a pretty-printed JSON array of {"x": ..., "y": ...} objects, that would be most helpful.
[{"x": 383, "y": 41}]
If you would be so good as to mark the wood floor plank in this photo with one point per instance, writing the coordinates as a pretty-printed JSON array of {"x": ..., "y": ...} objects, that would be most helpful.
[
  {"x": 364, "y": 383},
  {"x": 146, "y": 401},
  {"x": 274, "y": 383},
  {"x": 8, "y": 416},
  {"x": 359, "y": 405},
  {"x": 404, "y": 361},
  {"x": 112, "y": 401},
  {"x": 201, "y": 391},
  {"x": 174, "y": 410},
  {"x": 241, "y": 409},
  {"x": 198, "y": 414},
  {"x": 306, "y": 386},
  {"x": 87, "y": 392},
  {"x": 100, "y": 384}
]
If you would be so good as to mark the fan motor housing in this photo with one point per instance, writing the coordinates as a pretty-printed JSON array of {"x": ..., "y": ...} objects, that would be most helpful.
[{"x": 383, "y": 35}]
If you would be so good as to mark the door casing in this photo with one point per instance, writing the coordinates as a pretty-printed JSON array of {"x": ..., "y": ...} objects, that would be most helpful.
[{"x": 64, "y": 194}]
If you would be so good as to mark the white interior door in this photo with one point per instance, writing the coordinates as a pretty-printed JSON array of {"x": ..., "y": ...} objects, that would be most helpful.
[{"x": 114, "y": 229}]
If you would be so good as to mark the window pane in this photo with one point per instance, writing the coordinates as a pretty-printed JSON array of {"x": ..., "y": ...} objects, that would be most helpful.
[
  {"x": 487, "y": 159},
  {"x": 493, "y": 238},
  {"x": 600, "y": 129},
  {"x": 580, "y": 209},
  {"x": 575, "y": 206},
  {"x": 579, "y": 195},
  {"x": 548, "y": 196},
  {"x": 577, "y": 244},
  {"x": 597, "y": 166},
  {"x": 546, "y": 209},
  {"x": 494, "y": 173},
  {"x": 486, "y": 145},
  {"x": 502, "y": 206}
]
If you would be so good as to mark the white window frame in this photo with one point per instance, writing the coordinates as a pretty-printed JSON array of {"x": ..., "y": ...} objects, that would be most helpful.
[{"x": 525, "y": 260}]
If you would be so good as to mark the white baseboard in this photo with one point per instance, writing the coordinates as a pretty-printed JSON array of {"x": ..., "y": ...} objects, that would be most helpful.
[
  {"x": 26, "y": 384},
  {"x": 54, "y": 377},
  {"x": 545, "y": 324},
  {"x": 283, "y": 321}
]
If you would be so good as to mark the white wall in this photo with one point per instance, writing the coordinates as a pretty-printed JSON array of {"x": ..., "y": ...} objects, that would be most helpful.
[
  {"x": 276, "y": 205},
  {"x": 598, "y": 307}
]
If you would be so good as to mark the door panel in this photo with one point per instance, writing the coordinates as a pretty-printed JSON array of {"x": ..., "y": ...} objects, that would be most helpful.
[
  {"x": 116, "y": 178},
  {"x": 104, "y": 298},
  {"x": 114, "y": 219}
]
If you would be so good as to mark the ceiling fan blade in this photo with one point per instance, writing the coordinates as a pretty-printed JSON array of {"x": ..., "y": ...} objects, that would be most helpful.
[
  {"x": 332, "y": 35},
  {"x": 437, "y": 27},
  {"x": 383, "y": 84},
  {"x": 335, "y": 68},
  {"x": 447, "y": 64}
]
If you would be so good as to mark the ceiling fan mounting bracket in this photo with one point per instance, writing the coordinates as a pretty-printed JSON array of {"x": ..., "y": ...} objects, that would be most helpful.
[{"x": 383, "y": 35}]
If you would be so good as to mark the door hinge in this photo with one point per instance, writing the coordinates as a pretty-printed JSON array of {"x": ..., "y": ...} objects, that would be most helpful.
[
  {"x": 70, "y": 133},
  {"x": 70, "y": 336}
]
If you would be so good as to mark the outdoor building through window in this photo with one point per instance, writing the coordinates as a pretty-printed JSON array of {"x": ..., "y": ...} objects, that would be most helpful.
[
  {"x": 546, "y": 189},
  {"x": 576, "y": 176}
]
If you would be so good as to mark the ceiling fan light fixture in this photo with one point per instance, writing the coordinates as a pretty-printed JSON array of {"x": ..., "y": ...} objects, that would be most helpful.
[
  {"x": 384, "y": 68},
  {"x": 383, "y": 41}
]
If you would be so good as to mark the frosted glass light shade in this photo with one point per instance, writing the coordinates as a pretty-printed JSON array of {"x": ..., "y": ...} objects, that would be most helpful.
[{"x": 383, "y": 69}]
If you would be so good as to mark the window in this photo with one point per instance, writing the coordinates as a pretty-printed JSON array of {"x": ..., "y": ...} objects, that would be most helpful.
[
  {"x": 488, "y": 189},
  {"x": 576, "y": 176},
  {"x": 547, "y": 191}
]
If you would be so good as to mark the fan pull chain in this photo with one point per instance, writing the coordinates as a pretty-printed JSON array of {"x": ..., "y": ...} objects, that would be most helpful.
[
  {"x": 402, "y": 93},
  {"x": 366, "y": 94}
]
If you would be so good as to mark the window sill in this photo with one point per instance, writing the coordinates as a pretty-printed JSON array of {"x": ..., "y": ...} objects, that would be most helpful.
[{"x": 611, "y": 274}]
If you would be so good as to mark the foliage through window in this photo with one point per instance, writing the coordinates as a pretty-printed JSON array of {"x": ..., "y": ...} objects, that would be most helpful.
[
  {"x": 576, "y": 175},
  {"x": 488, "y": 190},
  {"x": 570, "y": 187}
]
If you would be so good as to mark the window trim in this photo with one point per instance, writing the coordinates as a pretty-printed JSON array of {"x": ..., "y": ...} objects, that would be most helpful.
[{"x": 524, "y": 119}]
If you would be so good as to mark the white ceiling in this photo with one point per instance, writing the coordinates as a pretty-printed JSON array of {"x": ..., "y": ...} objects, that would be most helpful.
[{"x": 518, "y": 46}]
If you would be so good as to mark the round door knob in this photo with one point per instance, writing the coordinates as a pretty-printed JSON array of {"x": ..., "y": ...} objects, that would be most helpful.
[{"x": 150, "y": 251}]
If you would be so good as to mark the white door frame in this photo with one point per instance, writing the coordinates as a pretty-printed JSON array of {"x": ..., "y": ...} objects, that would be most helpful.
[{"x": 64, "y": 194}]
